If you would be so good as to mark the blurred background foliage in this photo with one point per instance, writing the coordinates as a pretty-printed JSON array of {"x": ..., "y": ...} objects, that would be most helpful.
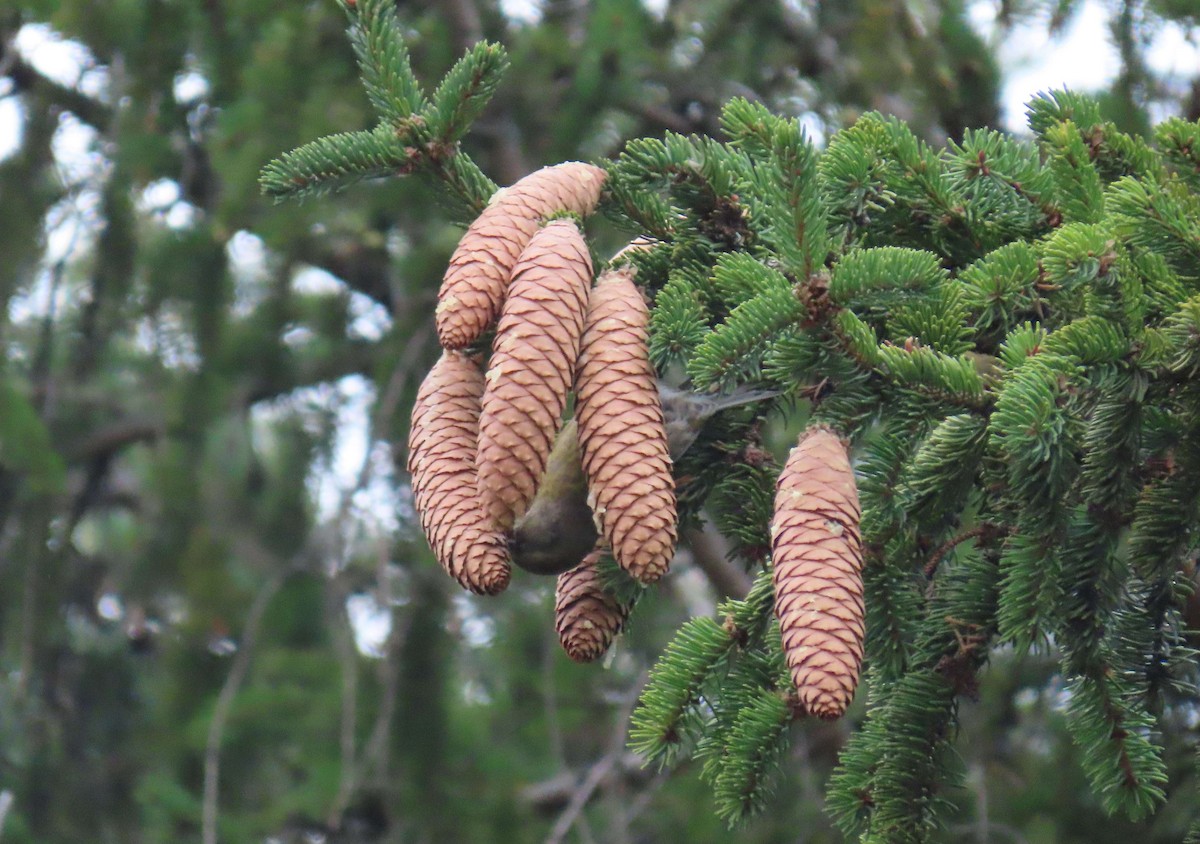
[{"x": 218, "y": 621}]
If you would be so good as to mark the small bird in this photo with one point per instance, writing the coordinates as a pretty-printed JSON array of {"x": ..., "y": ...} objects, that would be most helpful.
[
  {"x": 558, "y": 530},
  {"x": 685, "y": 412}
]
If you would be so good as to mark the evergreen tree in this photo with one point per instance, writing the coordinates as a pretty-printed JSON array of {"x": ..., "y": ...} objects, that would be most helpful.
[
  {"x": 177, "y": 582},
  {"x": 1004, "y": 330}
]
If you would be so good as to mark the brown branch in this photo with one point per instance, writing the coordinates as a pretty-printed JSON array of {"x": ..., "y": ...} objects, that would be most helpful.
[
  {"x": 352, "y": 357},
  {"x": 27, "y": 80},
  {"x": 552, "y": 795},
  {"x": 985, "y": 530},
  {"x": 660, "y": 117},
  {"x": 220, "y": 716},
  {"x": 382, "y": 415},
  {"x": 363, "y": 268},
  {"x": 599, "y": 771},
  {"x": 106, "y": 441},
  {"x": 711, "y": 556},
  {"x": 343, "y": 639}
]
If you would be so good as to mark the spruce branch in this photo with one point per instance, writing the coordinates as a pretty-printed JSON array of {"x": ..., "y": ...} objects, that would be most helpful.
[
  {"x": 1028, "y": 571},
  {"x": 887, "y": 786},
  {"x": 1010, "y": 339},
  {"x": 413, "y": 135},
  {"x": 679, "y": 321},
  {"x": 387, "y": 75},
  {"x": 661, "y": 724},
  {"x": 732, "y": 354},
  {"x": 1048, "y": 109},
  {"x": 335, "y": 161},
  {"x": 954, "y": 381},
  {"x": 862, "y": 275},
  {"x": 1004, "y": 178},
  {"x": 469, "y": 188},
  {"x": 1161, "y": 217},
  {"x": 743, "y": 502},
  {"x": 981, "y": 532},
  {"x": 1113, "y": 153},
  {"x": 1000, "y": 291},
  {"x": 1090, "y": 340},
  {"x": 756, "y": 742},
  {"x": 937, "y": 482},
  {"x": 784, "y": 184},
  {"x": 465, "y": 91},
  {"x": 1179, "y": 141},
  {"x": 665, "y": 720},
  {"x": 1076, "y": 180},
  {"x": 1123, "y": 765},
  {"x": 1158, "y": 542},
  {"x": 939, "y": 320}
]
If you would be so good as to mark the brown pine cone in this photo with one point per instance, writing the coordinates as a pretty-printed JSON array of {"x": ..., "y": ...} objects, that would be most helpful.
[
  {"x": 532, "y": 368},
  {"x": 441, "y": 460},
  {"x": 621, "y": 431},
  {"x": 475, "y": 282},
  {"x": 586, "y": 616},
  {"x": 817, "y": 553}
]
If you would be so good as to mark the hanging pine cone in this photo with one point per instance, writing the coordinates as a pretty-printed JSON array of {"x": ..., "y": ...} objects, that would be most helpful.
[
  {"x": 586, "y": 616},
  {"x": 532, "y": 368},
  {"x": 621, "y": 431},
  {"x": 475, "y": 282},
  {"x": 441, "y": 460},
  {"x": 817, "y": 553}
]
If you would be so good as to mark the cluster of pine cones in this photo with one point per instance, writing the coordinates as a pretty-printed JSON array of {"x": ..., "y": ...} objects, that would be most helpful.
[{"x": 480, "y": 439}]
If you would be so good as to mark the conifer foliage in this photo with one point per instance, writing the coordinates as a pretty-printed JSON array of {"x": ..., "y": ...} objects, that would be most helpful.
[{"x": 1004, "y": 332}]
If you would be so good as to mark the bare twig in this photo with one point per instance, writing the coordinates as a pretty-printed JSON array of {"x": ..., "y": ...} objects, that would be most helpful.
[
  {"x": 220, "y": 716},
  {"x": 105, "y": 441},
  {"x": 343, "y": 637},
  {"x": 660, "y": 117},
  {"x": 351, "y": 763},
  {"x": 374, "y": 757},
  {"x": 645, "y": 795},
  {"x": 550, "y": 696},
  {"x": 553, "y": 726},
  {"x": 35, "y": 536},
  {"x": 600, "y": 770},
  {"x": 375, "y": 753},
  {"x": 579, "y": 799}
]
